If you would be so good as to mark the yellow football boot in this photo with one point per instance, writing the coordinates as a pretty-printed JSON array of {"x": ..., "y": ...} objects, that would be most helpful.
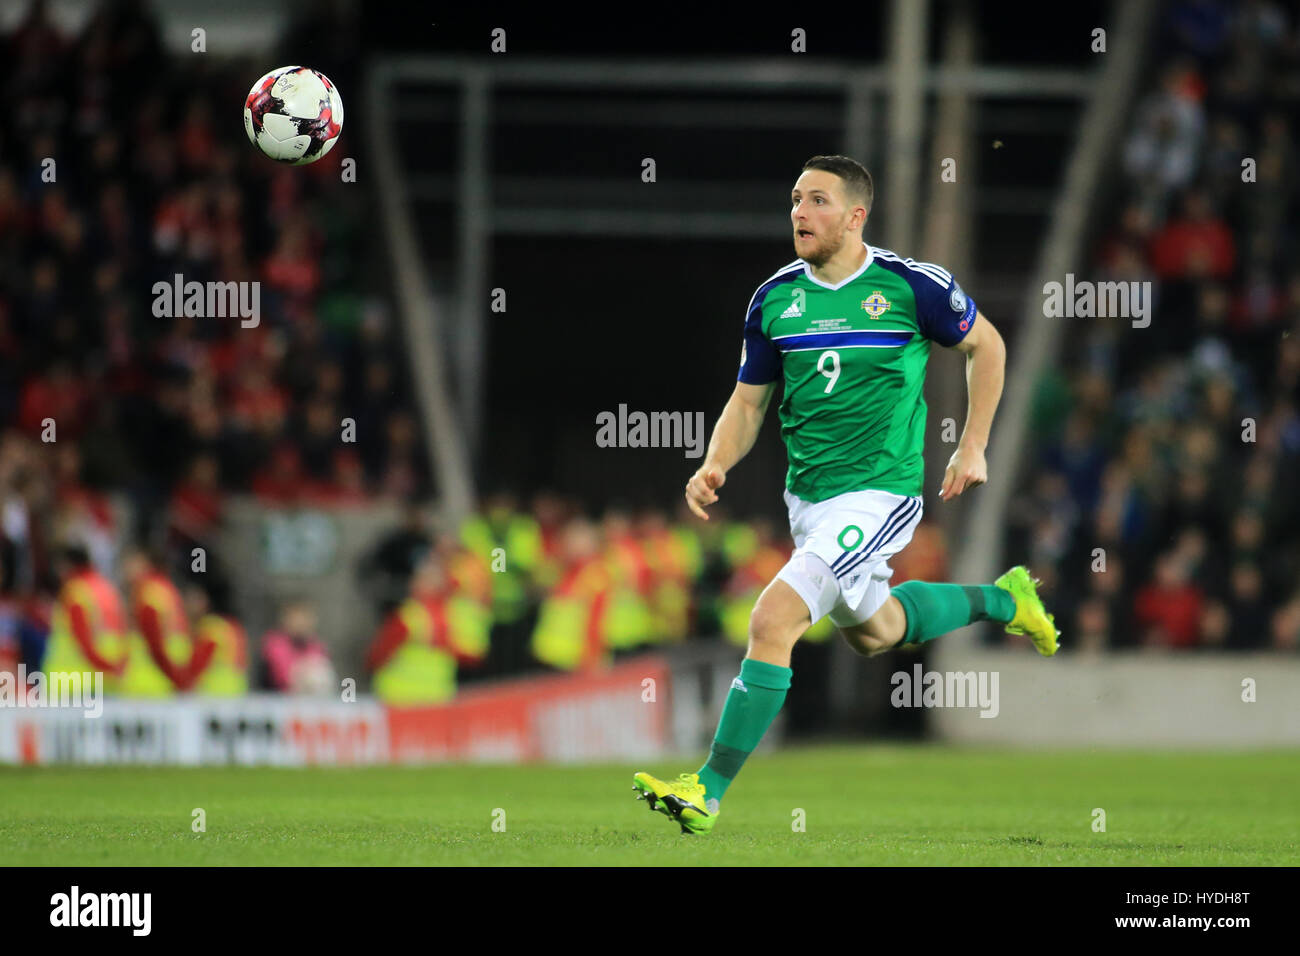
[
  {"x": 1031, "y": 617},
  {"x": 682, "y": 800}
]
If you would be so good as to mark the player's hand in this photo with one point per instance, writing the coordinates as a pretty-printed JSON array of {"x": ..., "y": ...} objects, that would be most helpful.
[
  {"x": 966, "y": 469},
  {"x": 700, "y": 490}
]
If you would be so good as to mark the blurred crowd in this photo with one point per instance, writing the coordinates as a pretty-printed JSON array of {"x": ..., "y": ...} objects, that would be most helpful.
[
  {"x": 120, "y": 168},
  {"x": 1157, "y": 508},
  {"x": 512, "y": 590},
  {"x": 550, "y": 587},
  {"x": 1156, "y": 511}
]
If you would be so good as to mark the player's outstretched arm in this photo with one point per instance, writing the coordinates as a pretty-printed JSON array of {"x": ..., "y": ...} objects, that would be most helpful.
[
  {"x": 733, "y": 436},
  {"x": 986, "y": 359}
]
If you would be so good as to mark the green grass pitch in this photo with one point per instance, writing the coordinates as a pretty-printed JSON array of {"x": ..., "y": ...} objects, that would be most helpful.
[{"x": 862, "y": 805}]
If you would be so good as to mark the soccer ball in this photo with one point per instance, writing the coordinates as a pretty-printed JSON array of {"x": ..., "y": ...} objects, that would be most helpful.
[{"x": 293, "y": 115}]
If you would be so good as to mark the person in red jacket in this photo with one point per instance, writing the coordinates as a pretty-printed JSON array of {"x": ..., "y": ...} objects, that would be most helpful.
[
  {"x": 1168, "y": 610},
  {"x": 1196, "y": 245}
]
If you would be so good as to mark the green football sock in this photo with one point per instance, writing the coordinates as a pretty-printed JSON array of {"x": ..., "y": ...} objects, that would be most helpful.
[
  {"x": 752, "y": 704},
  {"x": 935, "y": 609}
]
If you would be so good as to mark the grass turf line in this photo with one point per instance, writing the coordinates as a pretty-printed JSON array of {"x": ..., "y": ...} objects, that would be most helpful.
[{"x": 863, "y": 805}]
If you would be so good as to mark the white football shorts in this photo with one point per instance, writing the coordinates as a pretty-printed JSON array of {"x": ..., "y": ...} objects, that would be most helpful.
[{"x": 842, "y": 547}]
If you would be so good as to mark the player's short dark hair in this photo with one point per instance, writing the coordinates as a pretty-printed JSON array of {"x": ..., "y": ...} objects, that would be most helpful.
[{"x": 858, "y": 186}]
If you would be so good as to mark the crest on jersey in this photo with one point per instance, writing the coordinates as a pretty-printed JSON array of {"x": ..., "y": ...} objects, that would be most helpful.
[{"x": 876, "y": 305}]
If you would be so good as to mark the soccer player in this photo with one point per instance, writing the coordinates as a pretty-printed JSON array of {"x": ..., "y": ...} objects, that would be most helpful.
[{"x": 848, "y": 327}]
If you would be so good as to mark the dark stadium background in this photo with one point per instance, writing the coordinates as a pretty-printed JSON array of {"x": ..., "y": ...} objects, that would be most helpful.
[{"x": 653, "y": 321}]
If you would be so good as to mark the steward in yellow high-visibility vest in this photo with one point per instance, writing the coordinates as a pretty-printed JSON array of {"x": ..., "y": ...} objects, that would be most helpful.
[
  {"x": 421, "y": 644},
  {"x": 226, "y": 674},
  {"x": 511, "y": 543},
  {"x": 161, "y": 654},
  {"x": 570, "y": 632},
  {"x": 628, "y": 619},
  {"x": 738, "y": 543},
  {"x": 219, "y": 667},
  {"x": 469, "y": 575},
  {"x": 87, "y": 627},
  {"x": 553, "y": 529},
  {"x": 675, "y": 563},
  {"x": 596, "y": 606},
  {"x": 690, "y": 549}
]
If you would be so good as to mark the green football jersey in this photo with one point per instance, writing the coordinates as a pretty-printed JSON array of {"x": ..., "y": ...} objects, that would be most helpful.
[{"x": 853, "y": 357}]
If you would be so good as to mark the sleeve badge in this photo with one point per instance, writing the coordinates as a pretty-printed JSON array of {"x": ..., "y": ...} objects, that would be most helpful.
[{"x": 957, "y": 299}]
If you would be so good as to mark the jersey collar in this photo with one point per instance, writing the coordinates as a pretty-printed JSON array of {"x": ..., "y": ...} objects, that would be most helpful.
[{"x": 866, "y": 264}]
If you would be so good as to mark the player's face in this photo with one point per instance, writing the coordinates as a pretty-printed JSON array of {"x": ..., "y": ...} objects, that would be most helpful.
[{"x": 819, "y": 215}]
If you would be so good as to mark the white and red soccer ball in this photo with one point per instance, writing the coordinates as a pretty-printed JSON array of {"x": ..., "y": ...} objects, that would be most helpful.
[{"x": 294, "y": 115}]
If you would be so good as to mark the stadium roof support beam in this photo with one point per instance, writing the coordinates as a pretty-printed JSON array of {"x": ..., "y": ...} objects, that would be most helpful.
[
  {"x": 766, "y": 75},
  {"x": 473, "y": 213},
  {"x": 946, "y": 237},
  {"x": 908, "y": 21},
  {"x": 444, "y": 438},
  {"x": 857, "y": 122},
  {"x": 1039, "y": 340}
]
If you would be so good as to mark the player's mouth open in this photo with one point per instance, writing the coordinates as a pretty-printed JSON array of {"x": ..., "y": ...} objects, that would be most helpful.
[{"x": 804, "y": 234}]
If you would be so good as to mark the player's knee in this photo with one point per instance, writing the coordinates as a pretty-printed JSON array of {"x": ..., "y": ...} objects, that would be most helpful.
[
  {"x": 868, "y": 645},
  {"x": 878, "y": 645},
  {"x": 804, "y": 590},
  {"x": 778, "y": 619},
  {"x": 769, "y": 627},
  {"x": 881, "y": 632}
]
